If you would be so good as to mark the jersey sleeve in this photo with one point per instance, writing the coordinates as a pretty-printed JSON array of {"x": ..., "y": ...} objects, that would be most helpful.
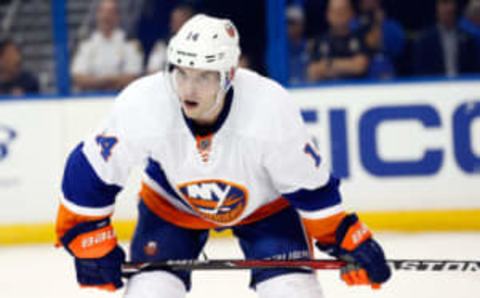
[
  {"x": 98, "y": 168},
  {"x": 298, "y": 171}
]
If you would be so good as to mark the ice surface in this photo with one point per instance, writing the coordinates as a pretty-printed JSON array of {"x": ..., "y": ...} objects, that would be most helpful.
[{"x": 42, "y": 271}]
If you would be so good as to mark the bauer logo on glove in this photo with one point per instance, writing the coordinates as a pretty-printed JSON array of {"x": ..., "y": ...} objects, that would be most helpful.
[{"x": 366, "y": 264}]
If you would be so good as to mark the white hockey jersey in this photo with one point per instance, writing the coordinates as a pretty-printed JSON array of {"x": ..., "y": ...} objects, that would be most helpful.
[{"x": 259, "y": 160}]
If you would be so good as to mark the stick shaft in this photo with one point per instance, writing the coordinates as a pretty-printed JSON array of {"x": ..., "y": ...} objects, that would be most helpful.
[{"x": 226, "y": 264}]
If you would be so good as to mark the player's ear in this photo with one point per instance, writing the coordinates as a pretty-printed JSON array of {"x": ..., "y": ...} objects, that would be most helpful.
[
  {"x": 229, "y": 75},
  {"x": 232, "y": 73}
]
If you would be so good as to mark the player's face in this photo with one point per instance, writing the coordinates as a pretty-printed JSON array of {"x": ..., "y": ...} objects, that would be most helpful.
[
  {"x": 197, "y": 90},
  {"x": 339, "y": 14}
]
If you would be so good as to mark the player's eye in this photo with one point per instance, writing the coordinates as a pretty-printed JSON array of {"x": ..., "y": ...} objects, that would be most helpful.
[
  {"x": 208, "y": 77},
  {"x": 180, "y": 75},
  {"x": 205, "y": 77},
  {"x": 202, "y": 80}
]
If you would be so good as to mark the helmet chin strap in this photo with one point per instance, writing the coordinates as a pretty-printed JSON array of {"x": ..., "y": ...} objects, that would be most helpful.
[{"x": 216, "y": 104}]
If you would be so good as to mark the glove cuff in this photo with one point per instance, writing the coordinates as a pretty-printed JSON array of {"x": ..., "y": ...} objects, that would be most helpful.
[
  {"x": 88, "y": 240},
  {"x": 352, "y": 232}
]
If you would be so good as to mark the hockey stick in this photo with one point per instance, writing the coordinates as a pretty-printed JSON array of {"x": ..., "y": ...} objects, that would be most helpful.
[{"x": 129, "y": 269}]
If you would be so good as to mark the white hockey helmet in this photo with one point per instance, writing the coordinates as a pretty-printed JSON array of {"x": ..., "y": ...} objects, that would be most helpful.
[{"x": 207, "y": 43}]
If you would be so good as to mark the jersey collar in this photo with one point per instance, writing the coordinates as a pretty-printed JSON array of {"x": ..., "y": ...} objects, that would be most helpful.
[{"x": 204, "y": 130}]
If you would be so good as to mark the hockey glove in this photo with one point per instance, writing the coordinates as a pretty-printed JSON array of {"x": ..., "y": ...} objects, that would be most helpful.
[
  {"x": 98, "y": 258},
  {"x": 366, "y": 264}
]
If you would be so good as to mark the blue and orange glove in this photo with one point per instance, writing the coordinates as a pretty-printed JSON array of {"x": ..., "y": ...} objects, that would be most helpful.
[
  {"x": 98, "y": 258},
  {"x": 366, "y": 264}
]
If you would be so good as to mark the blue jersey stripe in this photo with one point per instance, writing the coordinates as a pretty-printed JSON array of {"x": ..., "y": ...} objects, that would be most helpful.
[
  {"x": 317, "y": 199},
  {"x": 81, "y": 184},
  {"x": 155, "y": 171}
]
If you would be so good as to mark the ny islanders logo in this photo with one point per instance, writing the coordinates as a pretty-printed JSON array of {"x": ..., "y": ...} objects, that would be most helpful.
[{"x": 216, "y": 200}]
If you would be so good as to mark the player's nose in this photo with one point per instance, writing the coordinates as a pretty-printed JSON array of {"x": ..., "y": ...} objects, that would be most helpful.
[{"x": 189, "y": 90}]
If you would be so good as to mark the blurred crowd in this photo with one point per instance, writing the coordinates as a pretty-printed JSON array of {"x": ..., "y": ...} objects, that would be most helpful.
[
  {"x": 14, "y": 79},
  {"x": 362, "y": 41},
  {"x": 358, "y": 39}
]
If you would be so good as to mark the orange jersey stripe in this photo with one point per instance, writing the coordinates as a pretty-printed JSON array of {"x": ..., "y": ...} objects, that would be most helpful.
[
  {"x": 323, "y": 230},
  {"x": 162, "y": 208},
  {"x": 67, "y": 219},
  {"x": 266, "y": 210}
]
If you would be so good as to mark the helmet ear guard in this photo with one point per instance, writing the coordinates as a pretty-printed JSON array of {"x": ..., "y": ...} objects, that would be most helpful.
[{"x": 227, "y": 78}]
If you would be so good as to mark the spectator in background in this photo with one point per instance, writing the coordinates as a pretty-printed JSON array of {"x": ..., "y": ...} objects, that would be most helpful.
[
  {"x": 470, "y": 22},
  {"x": 14, "y": 80},
  {"x": 107, "y": 60},
  {"x": 445, "y": 49},
  {"x": 298, "y": 53},
  {"x": 384, "y": 38},
  {"x": 340, "y": 53},
  {"x": 158, "y": 57}
]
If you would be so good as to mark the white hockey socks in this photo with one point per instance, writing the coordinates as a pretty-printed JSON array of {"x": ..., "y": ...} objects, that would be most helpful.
[
  {"x": 292, "y": 285},
  {"x": 157, "y": 284}
]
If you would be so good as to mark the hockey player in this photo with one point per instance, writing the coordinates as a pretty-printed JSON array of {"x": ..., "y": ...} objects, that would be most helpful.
[{"x": 224, "y": 148}]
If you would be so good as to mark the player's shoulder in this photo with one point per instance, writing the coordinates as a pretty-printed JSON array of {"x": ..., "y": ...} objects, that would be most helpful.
[
  {"x": 144, "y": 90},
  {"x": 269, "y": 107},
  {"x": 145, "y": 104},
  {"x": 251, "y": 80},
  {"x": 261, "y": 93}
]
